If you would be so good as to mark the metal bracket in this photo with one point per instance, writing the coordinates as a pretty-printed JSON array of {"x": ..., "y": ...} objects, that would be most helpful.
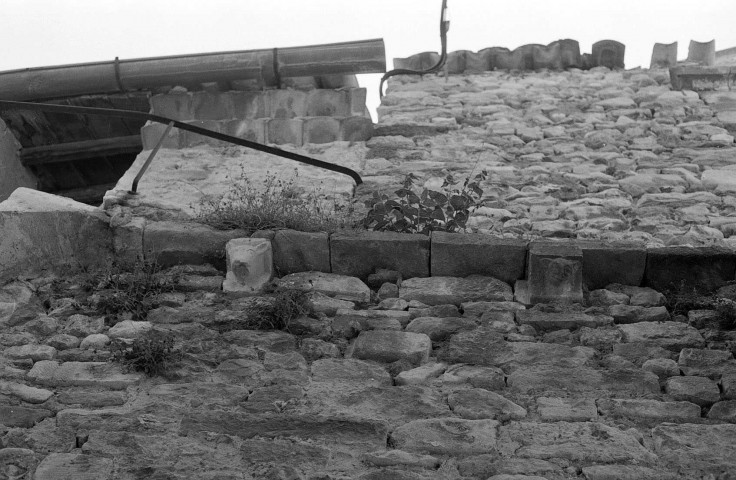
[
  {"x": 110, "y": 112},
  {"x": 134, "y": 187}
]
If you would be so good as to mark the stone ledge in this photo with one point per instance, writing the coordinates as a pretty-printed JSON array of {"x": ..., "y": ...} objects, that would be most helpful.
[{"x": 279, "y": 131}]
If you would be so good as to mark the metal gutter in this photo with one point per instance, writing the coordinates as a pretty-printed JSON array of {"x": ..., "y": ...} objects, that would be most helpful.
[{"x": 267, "y": 66}]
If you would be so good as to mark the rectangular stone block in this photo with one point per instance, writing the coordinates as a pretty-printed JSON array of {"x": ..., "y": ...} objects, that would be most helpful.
[
  {"x": 605, "y": 263},
  {"x": 286, "y": 103},
  {"x": 555, "y": 272},
  {"x": 460, "y": 255},
  {"x": 281, "y": 131},
  {"x": 301, "y": 252},
  {"x": 249, "y": 265},
  {"x": 253, "y": 130},
  {"x": 176, "y": 106},
  {"x": 703, "y": 268},
  {"x": 191, "y": 139},
  {"x": 356, "y": 129},
  {"x": 321, "y": 130},
  {"x": 357, "y": 102},
  {"x": 248, "y": 105},
  {"x": 127, "y": 240},
  {"x": 41, "y": 231},
  {"x": 212, "y": 106},
  {"x": 360, "y": 254},
  {"x": 328, "y": 103},
  {"x": 151, "y": 134},
  {"x": 173, "y": 243}
]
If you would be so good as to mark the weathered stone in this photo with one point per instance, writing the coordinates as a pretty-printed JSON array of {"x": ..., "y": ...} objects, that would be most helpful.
[
  {"x": 554, "y": 272},
  {"x": 462, "y": 255},
  {"x": 668, "y": 335},
  {"x": 698, "y": 390},
  {"x": 82, "y": 325},
  {"x": 18, "y": 461},
  {"x": 129, "y": 329},
  {"x": 604, "y": 338},
  {"x": 578, "y": 442},
  {"x": 398, "y": 457},
  {"x": 557, "y": 409},
  {"x": 696, "y": 449},
  {"x": 360, "y": 254},
  {"x": 625, "y": 472},
  {"x": 42, "y": 231},
  {"x": 703, "y": 318},
  {"x": 74, "y": 466},
  {"x": 439, "y": 329},
  {"x": 314, "y": 349},
  {"x": 341, "y": 287},
  {"x": 249, "y": 265},
  {"x": 606, "y": 298},
  {"x": 444, "y": 290},
  {"x": 617, "y": 262},
  {"x": 42, "y": 326},
  {"x": 357, "y": 434},
  {"x": 99, "y": 374},
  {"x": 664, "y": 55},
  {"x": 389, "y": 346},
  {"x": 32, "y": 352},
  {"x": 172, "y": 243},
  {"x": 477, "y": 309},
  {"x": 295, "y": 251},
  {"x": 484, "y": 346},
  {"x": 706, "y": 363},
  {"x": 446, "y": 436},
  {"x": 546, "y": 321},
  {"x": 547, "y": 379},
  {"x": 24, "y": 392},
  {"x": 94, "y": 341},
  {"x": 725, "y": 411},
  {"x": 15, "y": 416},
  {"x": 640, "y": 352},
  {"x": 662, "y": 367},
  {"x": 623, "y": 314},
  {"x": 90, "y": 398},
  {"x": 489, "y": 378},
  {"x": 421, "y": 374},
  {"x": 350, "y": 370},
  {"x": 375, "y": 319},
  {"x": 321, "y": 303},
  {"x": 479, "y": 403},
  {"x": 728, "y": 383},
  {"x": 705, "y": 268},
  {"x": 650, "y": 410}
]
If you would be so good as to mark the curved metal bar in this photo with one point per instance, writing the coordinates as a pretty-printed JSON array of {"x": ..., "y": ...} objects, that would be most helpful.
[{"x": 6, "y": 104}]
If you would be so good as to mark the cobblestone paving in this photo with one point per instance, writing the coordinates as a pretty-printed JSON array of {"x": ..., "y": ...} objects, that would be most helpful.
[{"x": 393, "y": 388}]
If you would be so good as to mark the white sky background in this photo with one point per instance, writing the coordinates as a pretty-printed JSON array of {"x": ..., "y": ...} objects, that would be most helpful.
[{"x": 53, "y": 32}]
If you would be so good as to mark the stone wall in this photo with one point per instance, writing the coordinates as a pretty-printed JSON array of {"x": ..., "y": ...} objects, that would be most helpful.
[
  {"x": 12, "y": 173},
  {"x": 282, "y": 116},
  {"x": 558, "y": 55}
]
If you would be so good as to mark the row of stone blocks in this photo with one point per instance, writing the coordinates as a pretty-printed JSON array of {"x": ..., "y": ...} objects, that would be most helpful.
[
  {"x": 279, "y": 131},
  {"x": 553, "y": 269},
  {"x": 701, "y": 53},
  {"x": 246, "y": 105},
  {"x": 558, "y": 55}
]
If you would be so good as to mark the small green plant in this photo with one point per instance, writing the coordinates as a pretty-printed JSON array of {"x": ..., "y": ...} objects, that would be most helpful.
[
  {"x": 151, "y": 354},
  {"x": 414, "y": 211},
  {"x": 272, "y": 312},
  {"x": 132, "y": 290},
  {"x": 275, "y": 205}
]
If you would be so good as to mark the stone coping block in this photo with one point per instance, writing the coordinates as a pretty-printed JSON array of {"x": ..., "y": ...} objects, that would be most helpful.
[
  {"x": 605, "y": 263},
  {"x": 359, "y": 254},
  {"x": 41, "y": 231},
  {"x": 172, "y": 243},
  {"x": 295, "y": 251},
  {"x": 460, "y": 255},
  {"x": 704, "y": 268},
  {"x": 554, "y": 271}
]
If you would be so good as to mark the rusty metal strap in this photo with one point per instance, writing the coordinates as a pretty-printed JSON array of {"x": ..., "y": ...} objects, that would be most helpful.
[{"x": 109, "y": 112}]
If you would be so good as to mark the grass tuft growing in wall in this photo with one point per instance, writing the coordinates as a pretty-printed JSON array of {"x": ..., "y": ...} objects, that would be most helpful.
[{"x": 276, "y": 204}]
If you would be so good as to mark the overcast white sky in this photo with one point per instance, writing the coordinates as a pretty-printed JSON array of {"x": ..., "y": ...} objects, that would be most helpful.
[{"x": 52, "y": 32}]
